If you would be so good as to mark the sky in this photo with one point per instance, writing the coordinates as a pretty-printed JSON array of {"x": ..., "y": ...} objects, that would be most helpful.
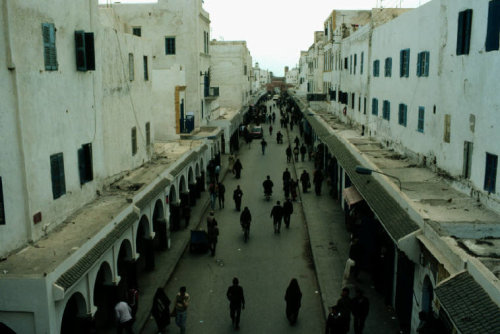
[{"x": 277, "y": 30}]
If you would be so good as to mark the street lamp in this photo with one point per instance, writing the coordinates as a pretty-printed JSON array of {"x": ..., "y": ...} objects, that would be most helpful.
[{"x": 368, "y": 171}]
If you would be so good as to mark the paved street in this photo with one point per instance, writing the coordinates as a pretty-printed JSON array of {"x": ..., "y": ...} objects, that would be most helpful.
[{"x": 268, "y": 261}]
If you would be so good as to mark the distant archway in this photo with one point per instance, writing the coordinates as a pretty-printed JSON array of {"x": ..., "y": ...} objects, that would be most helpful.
[
  {"x": 159, "y": 226},
  {"x": 104, "y": 297},
  {"x": 144, "y": 246},
  {"x": 427, "y": 295}
]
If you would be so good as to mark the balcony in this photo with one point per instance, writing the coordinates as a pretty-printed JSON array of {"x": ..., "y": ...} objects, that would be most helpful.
[{"x": 211, "y": 93}]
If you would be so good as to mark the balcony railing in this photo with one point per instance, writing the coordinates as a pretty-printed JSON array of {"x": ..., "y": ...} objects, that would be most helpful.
[{"x": 212, "y": 92}]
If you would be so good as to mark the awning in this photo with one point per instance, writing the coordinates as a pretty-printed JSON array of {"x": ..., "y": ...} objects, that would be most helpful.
[{"x": 351, "y": 196}]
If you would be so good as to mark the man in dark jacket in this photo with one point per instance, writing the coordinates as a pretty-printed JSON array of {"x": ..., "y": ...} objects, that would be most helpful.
[
  {"x": 277, "y": 214},
  {"x": 305, "y": 180},
  {"x": 344, "y": 305},
  {"x": 236, "y": 302},
  {"x": 237, "y": 195},
  {"x": 287, "y": 211},
  {"x": 333, "y": 322},
  {"x": 317, "y": 180},
  {"x": 221, "y": 191},
  {"x": 360, "y": 306}
]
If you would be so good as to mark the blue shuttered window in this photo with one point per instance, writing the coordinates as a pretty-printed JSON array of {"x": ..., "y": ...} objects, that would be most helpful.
[
  {"x": 84, "y": 48},
  {"x": 57, "y": 173},
  {"x": 374, "y": 107},
  {"x": 493, "y": 30},
  {"x": 386, "y": 110},
  {"x": 463, "y": 32},
  {"x": 490, "y": 175},
  {"x": 49, "y": 46},
  {"x": 169, "y": 45},
  {"x": 350, "y": 64},
  {"x": 355, "y": 62},
  {"x": 421, "y": 115},
  {"x": 388, "y": 67},
  {"x": 403, "y": 110},
  {"x": 376, "y": 68},
  {"x": 146, "y": 71},
  {"x": 404, "y": 63},
  {"x": 423, "y": 64},
  {"x": 85, "y": 163}
]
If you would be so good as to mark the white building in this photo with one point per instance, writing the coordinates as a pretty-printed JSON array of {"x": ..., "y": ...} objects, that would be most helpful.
[
  {"x": 179, "y": 31},
  {"x": 428, "y": 94},
  {"x": 292, "y": 77},
  {"x": 261, "y": 78},
  {"x": 82, "y": 206}
]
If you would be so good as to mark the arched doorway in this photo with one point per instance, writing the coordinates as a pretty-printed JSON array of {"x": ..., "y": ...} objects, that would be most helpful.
[
  {"x": 126, "y": 267},
  {"x": 74, "y": 316},
  {"x": 144, "y": 246},
  {"x": 183, "y": 190},
  {"x": 202, "y": 175},
  {"x": 175, "y": 209},
  {"x": 159, "y": 226},
  {"x": 105, "y": 297}
]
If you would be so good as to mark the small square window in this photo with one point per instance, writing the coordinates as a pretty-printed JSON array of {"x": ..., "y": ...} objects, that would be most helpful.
[
  {"x": 170, "y": 45},
  {"x": 137, "y": 31}
]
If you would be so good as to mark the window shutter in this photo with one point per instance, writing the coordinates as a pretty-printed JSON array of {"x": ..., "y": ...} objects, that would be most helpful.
[
  {"x": 57, "y": 174},
  {"x": 407, "y": 63},
  {"x": 81, "y": 63},
  {"x": 53, "y": 54},
  {"x": 426, "y": 65},
  {"x": 467, "y": 30},
  {"x": 419, "y": 64},
  {"x": 89, "y": 51},
  {"x": 493, "y": 31},
  {"x": 49, "y": 46},
  {"x": 460, "y": 33},
  {"x": 401, "y": 65},
  {"x": 81, "y": 165}
]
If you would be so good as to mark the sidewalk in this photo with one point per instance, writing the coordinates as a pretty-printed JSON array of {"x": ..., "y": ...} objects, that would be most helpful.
[
  {"x": 166, "y": 262},
  {"x": 330, "y": 243}
]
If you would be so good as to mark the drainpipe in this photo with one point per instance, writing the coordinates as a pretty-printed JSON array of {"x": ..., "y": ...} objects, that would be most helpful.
[{"x": 12, "y": 68}]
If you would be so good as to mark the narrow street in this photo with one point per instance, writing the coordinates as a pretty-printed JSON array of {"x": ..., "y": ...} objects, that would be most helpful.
[{"x": 264, "y": 265}]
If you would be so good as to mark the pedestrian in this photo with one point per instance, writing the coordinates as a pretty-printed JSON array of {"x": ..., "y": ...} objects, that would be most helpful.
[
  {"x": 296, "y": 141},
  {"x": 360, "y": 308},
  {"x": 277, "y": 215},
  {"x": 318, "y": 180},
  {"x": 287, "y": 212},
  {"x": 263, "y": 143},
  {"x": 237, "y": 195},
  {"x": 355, "y": 254},
  {"x": 212, "y": 191},
  {"x": 289, "y": 154},
  {"x": 293, "y": 297},
  {"x": 245, "y": 219},
  {"x": 286, "y": 176},
  {"x": 133, "y": 300},
  {"x": 303, "y": 151},
  {"x": 237, "y": 167},
  {"x": 160, "y": 310},
  {"x": 180, "y": 308},
  {"x": 124, "y": 319},
  {"x": 274, "y": 116},
  {"x": 186, "y": 213},
  {"x": 296, "y": 153},
  {"x": 236, "y": 302},
  {"x": 333, "y": 322},
  {"x": 344, "y": 305},
  {"x": 305, "y": 180},
  {"x": 221, "y": 193},
  {"x": 212, "y": 233},
  {"x": 270, "y": 130},
  {"x": 279, "y": 137}
]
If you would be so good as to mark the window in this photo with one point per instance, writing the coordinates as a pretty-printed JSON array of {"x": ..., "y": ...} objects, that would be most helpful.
[
  {"x": 490, "y": 175},
  {"x": 57, "y": 173},
  {"x": 447, "y": 128},
  {"x": 404, "y": 63},
  {"x": 350, "y": 64},
  {"x": 364, "y": 106},
  {"x": 463, "y": 32},
  {"x": 131, "y": 66},
  {"x": 362, "y": 61},
  {"x": 85, "y": 55},
  {"x": 355, "y": 63},
  {"x": 244, "y": 69},
  {"x": 352, "y": 100},
  {"x": 423, "y": 64},
  {"x": 421, "y": 114},
  {"x": 170, "y": 45},
  {"x": 146, "y": 73},
  {"x": 493, "y": 30},
  {"x": 85, "y": 163},
  {"x": 386, "y": 110},
  {"x": 49, "y": 46},
  {"x": 388, "y": 67},
  {"x": 136, "y": 31},
  {"x": 134, "y": 140},
  {"x": 376, "y": 68},
  {"x": 148, "y": 131},
  {"x": 2, "y": 205},
  {"x": 346, "y": 63},
  {"x": 403, "y": 109},
  {"x": 375, "y": 107},
  {"x": 359, "y": 103},
  {"x": 466, "y": 169}
]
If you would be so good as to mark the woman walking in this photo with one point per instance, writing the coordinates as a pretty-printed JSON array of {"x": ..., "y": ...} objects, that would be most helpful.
[{"x": 293, "y": 296}]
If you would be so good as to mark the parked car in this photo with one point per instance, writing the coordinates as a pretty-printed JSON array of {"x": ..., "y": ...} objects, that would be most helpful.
[{"x": 256, "y": 132}]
